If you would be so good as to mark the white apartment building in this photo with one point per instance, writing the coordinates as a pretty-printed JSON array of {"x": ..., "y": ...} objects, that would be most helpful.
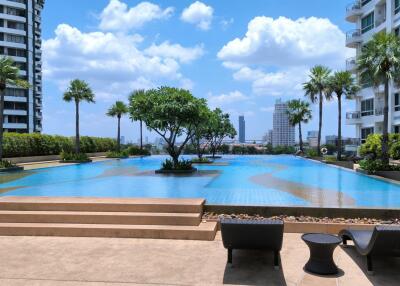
[
  {"x": 20, "y": 39},
  {"x": 370, "y": 17},
  {"x": 283, "y": 132}
]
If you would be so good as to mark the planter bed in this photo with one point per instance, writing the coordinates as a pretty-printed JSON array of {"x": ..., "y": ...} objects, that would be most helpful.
[
  {"x": 304, "y": 224},
  {"x": 343, "y": 164},
  {"x": 11, "y": 169},
  {"x": 176, "y": 172},
  {"x": 203, "y": 163}
]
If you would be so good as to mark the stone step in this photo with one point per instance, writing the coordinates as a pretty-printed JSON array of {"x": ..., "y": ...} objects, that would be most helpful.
[
  {"x": 102, "y": 204},
  {"x": 73, "y": 217},
  {"x": 205, "y": 231}
]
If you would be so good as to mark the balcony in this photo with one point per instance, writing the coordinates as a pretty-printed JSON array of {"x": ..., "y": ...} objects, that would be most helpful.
[
  {"x": 353, "y": 38},
  {"x": 379, "y": 22},
  {"x": 353, "y": 117},
  {"x": 38, "y": 115},
  {"x": 353, "y": 11},
  {"x": 351, "y": 64},
  {"x": 379, "y": 111}
]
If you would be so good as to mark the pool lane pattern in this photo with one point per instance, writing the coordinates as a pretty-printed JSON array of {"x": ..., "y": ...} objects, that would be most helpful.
[{"x": 234, "y": 180}]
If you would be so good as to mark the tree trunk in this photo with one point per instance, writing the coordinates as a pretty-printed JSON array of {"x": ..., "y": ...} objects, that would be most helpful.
[
  {"x": 320, "y": 124},
  {"x": 77, "y": 140},
  {"x": 385, "y": 135},
  {"x": 141, "y": 134},
  {"x": 119, "y": 134},
  {"x": 300, "y": 138},
  {"x": 339, "y": 144},
  {"x": 199, "y": 152},
  {"x": 1, "y": 121},
  {"x": 213, "y": 150}
]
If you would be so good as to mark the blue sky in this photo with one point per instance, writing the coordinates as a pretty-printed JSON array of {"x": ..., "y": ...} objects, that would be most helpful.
[{"x": 239, "y": 55}]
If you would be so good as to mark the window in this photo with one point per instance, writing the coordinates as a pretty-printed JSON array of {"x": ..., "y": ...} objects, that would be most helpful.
[
  {"x": 396, "y": 6},
  {"x": 396, "y": 102},
  {"x": 397, "y": 129},
  {"x": 15, "y": 92},
  {"x": 15, "y": 25},
  {"x": 15, "y": 39},
  {"x": 367, "y": 107},
  {"x": 367, "y": 23},
  {"x": 365, "y": 2},
  {"x": 365, "y": 132}
]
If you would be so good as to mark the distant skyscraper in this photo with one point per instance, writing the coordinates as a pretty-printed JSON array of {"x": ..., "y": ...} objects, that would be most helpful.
[
  {"x": 242, "y": 129},
  {"x": 283, "y": 132}
]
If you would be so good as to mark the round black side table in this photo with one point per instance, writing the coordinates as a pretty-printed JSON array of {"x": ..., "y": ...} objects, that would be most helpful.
[{"x": 321, "y": 252}]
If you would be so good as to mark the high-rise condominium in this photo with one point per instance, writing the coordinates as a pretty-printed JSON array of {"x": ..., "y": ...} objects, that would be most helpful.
[
  {"x": 242, "y": 129},
  {"x": 283, "y": 132},
  {"x": 20, "y": 39},
  {"x": 370, "y": 17}
]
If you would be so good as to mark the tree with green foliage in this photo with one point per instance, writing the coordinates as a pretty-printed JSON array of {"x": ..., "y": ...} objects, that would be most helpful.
[
  {"x": 299, "y": 111},
  {"x": 379, "y": 64},
  {"x": 172, "y": 113},
  {"x": 316, "y": 90},
  {"x": 118, "y": 110},
  {"x": 342, "y": 83},
  {"x": 77, "y": 92},
  {"x": 220, "y": 127},
  {"x": 9, "y": 76},
  {"x": 202, "y": 131},
  {"x": 138, "y": 93}
]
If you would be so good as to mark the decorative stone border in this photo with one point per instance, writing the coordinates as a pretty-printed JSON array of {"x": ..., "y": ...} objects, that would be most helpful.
[{"x": 75, "y": 162}]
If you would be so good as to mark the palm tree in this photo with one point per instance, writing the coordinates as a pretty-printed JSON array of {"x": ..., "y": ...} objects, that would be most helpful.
[
  {"x": 9, "y": 76},
  {"x": 139, "y": 92},
  {"x": 316, "y": 90},
  {"x": 78, "y": 91},
  {"x": 118, "y": 110},
  {"x": 299, "y": 111},
  {"x": 342, "y": 83},
  {"x": 379, "y": 63}
]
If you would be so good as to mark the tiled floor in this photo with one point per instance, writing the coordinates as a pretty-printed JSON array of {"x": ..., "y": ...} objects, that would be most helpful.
[{"x": 100, "y": 261}]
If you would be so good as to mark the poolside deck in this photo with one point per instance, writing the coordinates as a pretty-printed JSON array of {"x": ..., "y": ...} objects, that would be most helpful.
[{"x": 111, "y": 261}]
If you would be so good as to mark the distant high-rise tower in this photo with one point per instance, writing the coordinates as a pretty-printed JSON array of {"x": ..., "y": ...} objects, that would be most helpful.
[
  {"x": 283, "y": 131},
  {"x": 242, "y": 129},
  {"x": 20, "y": 39}
]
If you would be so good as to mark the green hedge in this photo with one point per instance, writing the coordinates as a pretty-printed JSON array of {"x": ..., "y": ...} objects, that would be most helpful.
[
  {"x": 24, "y": 145},
  {"x": 373, "y": 146}
]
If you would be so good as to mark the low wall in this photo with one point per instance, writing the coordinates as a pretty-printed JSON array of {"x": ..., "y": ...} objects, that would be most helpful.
[
  {"x": 268, "y": 211},
  {"x": 33, "y": 159}
]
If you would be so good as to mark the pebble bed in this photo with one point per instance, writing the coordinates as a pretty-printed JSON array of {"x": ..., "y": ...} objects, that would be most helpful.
[{"x": 285, "y": 218}]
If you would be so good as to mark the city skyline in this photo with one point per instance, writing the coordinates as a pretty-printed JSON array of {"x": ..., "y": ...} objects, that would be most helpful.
[{"x": 101, "y": 43}]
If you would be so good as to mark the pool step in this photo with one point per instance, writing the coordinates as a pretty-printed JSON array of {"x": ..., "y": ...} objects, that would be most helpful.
[
  {"x": 103, "y": 217},
  {"x": 139, "y": 218},
  {"x": 101, "y": 204},
  {"x": 204, "y": 231}
]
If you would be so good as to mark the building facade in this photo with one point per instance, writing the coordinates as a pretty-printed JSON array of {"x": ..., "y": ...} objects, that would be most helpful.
[
  {"x": 242, "y": 129},
  {"x": 20, "y": 39},
  {"x": 312, "y": 139},
  {"x": 370, "y": 17},
  {"x": 283, "y": 132}
]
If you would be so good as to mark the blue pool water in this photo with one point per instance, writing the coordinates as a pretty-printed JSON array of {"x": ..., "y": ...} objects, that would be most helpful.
[{"x": 236, "y": 180}]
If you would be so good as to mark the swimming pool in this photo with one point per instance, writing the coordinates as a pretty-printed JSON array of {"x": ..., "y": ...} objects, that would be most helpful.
[{"x": 233, "y": 180}]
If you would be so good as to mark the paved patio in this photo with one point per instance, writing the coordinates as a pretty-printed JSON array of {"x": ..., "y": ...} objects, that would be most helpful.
[{"x": 107, "y": 261}]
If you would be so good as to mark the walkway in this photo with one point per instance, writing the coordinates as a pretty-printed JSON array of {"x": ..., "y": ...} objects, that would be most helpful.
[{"x": 64, "y": 261}]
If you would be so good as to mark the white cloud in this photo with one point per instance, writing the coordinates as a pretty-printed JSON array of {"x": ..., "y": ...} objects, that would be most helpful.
[
  {"x": 198, "y": 14},
  {"x": 285, "y": 82},
  {"x": 276, "y": 54},
  {"x": 287, "y": 42},
  {"x": 118, "y": 16},
  {"x": 226, "y": 98},
  {"x": 175, "y": 51},
  {"x": 111, "y": 62},
  {"x": 225, "y": 24}
]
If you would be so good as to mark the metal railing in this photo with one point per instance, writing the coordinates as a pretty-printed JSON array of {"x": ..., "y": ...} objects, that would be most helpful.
[
  {"x": 353, "y": 115},
  {"x": 356, "y": 5}
]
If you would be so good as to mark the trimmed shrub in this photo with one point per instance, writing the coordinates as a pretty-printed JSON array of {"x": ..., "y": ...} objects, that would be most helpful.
[
  {"x": 115, "y": 154},
  {"x": 182, "y": 165},
  {"x": 73, "y": 157},
  {"x": 136, "y": 151},
  {"x": 35, "y": 144}
]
